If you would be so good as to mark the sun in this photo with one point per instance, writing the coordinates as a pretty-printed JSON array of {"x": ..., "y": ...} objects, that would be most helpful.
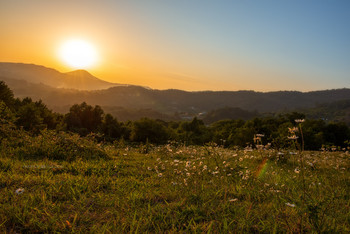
[{"x": 78, "y": 53}]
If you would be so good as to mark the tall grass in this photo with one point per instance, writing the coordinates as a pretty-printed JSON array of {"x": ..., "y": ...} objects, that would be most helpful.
[{"x": 170, "y": 188}]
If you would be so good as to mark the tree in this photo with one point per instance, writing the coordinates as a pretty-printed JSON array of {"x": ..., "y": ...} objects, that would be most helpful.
[
  {"x": 84, "y": 118},
  {"x": 336, "y": 134},
  {"x": 35, "y": 116},
  {"x": 7, "y": 119},
  {"x": 313, "y": 131},
  {"x": 149, "y": 130},
  {"x": 111, "y": 128},
  {"x": 295, "y": 115},
  {"x": 194, "y": 132},
  {"x": 222, "y": 130},
  {"x": 6, "y": 94}
]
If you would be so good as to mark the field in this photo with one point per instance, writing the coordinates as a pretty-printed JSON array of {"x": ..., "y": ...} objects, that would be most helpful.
[{"x": 176, "y": 188}]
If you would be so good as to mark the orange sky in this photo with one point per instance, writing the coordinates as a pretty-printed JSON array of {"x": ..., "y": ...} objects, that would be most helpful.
[{"x": 190, "y": 46}]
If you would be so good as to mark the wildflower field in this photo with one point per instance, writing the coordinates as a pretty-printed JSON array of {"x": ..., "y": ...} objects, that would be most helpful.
[{"x": 175, "y": 188}]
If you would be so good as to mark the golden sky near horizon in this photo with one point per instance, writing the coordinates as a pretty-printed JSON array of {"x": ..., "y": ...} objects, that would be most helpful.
[{"x": 197, "y": 45}]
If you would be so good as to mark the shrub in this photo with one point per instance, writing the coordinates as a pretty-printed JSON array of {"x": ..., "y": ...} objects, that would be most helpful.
[{"x": 60, "y": 146}]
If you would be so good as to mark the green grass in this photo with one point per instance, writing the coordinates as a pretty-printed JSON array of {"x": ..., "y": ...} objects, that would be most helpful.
[{"x": 174, "y": 189}]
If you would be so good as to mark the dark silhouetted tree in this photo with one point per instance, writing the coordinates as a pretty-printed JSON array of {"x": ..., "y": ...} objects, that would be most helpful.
[
  {"x": 149, "y": 130},
  {"x": 111, "y": 128},
  {"x": 6, "y": 94},
  {"x": 84, "y": 118}
]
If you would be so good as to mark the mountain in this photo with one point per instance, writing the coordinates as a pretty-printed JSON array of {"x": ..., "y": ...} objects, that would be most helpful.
[
  {"x": 80, "y": 79},
  {"x": 44, "y": 83},
  {"x": 83, "y": 80}
]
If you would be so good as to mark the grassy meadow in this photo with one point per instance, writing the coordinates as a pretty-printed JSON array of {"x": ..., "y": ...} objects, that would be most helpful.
[{"x": 170, "y": 188}]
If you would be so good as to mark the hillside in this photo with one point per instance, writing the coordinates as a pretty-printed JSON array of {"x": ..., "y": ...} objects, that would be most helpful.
[
  {"x": 80, "y": 79},
  {"x": 338, "y": 111},
  {"x": 43, "y": 83},
  {"x": 228, "y": 113}
]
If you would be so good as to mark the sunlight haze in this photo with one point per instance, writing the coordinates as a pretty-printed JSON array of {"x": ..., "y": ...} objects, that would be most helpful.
[{"x": 189, "y": 45}]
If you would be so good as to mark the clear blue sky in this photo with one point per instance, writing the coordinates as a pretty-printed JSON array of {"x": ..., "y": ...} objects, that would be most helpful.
[{"x": 201, "y": 44}]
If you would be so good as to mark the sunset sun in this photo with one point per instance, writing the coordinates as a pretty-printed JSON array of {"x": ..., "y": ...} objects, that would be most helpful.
[{"x": 78, "y": 53}]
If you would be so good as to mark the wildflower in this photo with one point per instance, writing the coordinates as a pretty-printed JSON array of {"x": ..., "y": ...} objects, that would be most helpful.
[
  {"x": 289, "y": 204},
  {"x": 294, "y": 137},
  {"x": 296, "y": 170},
  {"x": 160, "y": 174},
  {"x": 19, "y": 191},
  {"x": 259, "y": 147},
  {"x": 256, "y": 139},
  {"x": 293, "y": 130}
]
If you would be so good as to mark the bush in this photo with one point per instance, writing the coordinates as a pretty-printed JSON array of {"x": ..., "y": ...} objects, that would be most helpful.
[{"x": 60, "y": 146}]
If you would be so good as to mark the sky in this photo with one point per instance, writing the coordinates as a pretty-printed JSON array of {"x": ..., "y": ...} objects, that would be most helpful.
[{"x": 191, "y": 45}]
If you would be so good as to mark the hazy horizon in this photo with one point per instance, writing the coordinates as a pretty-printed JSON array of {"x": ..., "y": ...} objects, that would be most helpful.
[
  {"x": 164, "y": 89},
  {"x": 193, "y": 46}
]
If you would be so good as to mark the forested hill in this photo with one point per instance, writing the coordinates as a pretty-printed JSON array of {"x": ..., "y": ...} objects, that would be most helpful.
[
  {"x": 171, "y": 101},
  {"x": 167, "y": 102},
  {"x": 338, "y": 111}
]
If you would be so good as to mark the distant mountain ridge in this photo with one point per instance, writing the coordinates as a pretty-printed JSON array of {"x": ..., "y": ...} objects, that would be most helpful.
[
  {"x": 44, "y": 83},
  {"x": 79, "y": 79}
]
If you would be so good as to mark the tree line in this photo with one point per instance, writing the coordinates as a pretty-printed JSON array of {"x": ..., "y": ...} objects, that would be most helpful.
[{"x": 83, "y": 119}]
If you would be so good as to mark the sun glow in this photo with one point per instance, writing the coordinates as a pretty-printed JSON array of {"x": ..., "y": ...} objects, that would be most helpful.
[{"x": 78, "y": 53}]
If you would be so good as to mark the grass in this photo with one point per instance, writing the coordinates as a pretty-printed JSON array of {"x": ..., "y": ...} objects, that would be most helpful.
[{"x": 175, "y": 189}]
